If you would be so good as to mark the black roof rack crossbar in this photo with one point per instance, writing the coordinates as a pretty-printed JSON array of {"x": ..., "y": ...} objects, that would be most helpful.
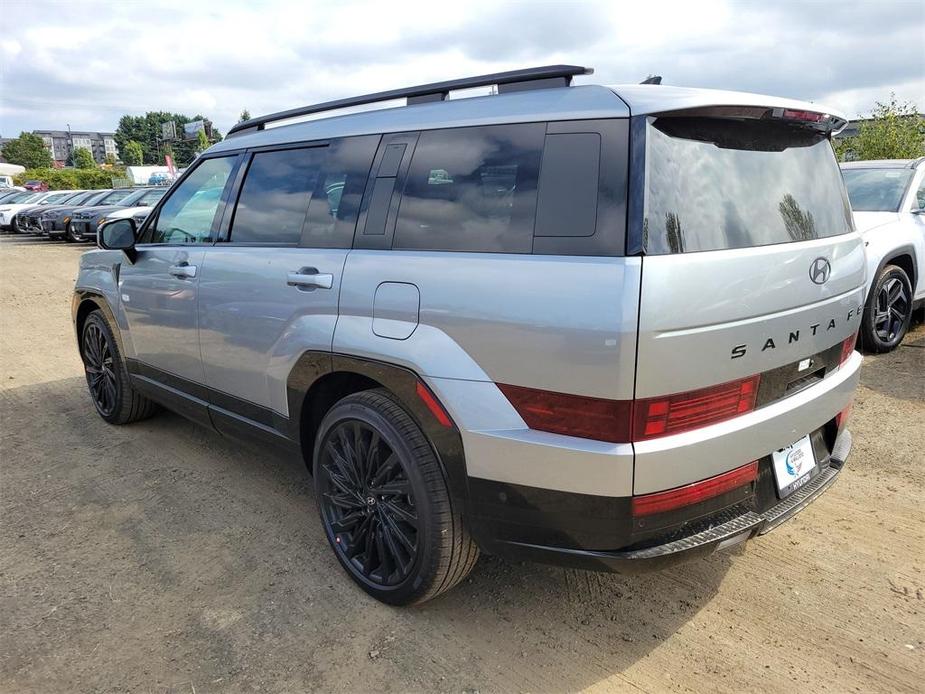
[{"x": 515, "y": 80}]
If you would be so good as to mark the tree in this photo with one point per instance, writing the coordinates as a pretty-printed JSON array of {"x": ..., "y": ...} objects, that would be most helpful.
[
  {"x": 245, "y": 115},
  {"x": 27, "y": 150},
  {"x": 132, "y": 153},
  {"x": 894, "y": 131},
  {"x": 83, "y": 159},
  {"x": 203, "y": 141},
  {"x": 146, "y": 130},
  {"x": 110, "y": 159}
]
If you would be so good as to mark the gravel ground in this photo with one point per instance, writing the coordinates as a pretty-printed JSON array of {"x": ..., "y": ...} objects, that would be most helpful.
[{"x": 161, "y": 557}]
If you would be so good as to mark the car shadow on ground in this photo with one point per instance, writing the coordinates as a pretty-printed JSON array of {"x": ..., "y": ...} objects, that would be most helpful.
[{"x": 138, "y": 557}]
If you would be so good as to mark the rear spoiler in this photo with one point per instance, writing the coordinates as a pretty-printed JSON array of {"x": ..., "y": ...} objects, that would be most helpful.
[{"x": 816, "y": 120}]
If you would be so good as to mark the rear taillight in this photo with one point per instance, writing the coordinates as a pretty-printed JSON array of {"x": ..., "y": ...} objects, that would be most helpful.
[
  {"x": 847, "y": 347},
  {"x": 842, "y": 417},
  {"x": 572, "y": 415},
  {"x": 673, "y": 414},
  {"x": 660, "y": 502},
  {"x": 623, "y": 421}
]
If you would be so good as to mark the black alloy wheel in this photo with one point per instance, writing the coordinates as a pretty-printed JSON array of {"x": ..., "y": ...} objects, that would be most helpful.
[
  {"x": 893, "y": 307},
  {"x": 99, "y": 369},
  {"x": 384, "y": 501},
  {"x": 889, "y": 310},
  {"x": 368, "y": 504}
]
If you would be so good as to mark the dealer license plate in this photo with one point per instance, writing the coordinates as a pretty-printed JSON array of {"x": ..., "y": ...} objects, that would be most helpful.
[{"x": 793, "y": 466}]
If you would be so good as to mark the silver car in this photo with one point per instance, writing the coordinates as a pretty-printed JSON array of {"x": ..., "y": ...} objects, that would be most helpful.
[{"x": 605, "y": 327}]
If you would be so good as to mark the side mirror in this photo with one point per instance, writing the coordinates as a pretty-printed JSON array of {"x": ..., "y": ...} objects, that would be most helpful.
[{"x": 118, "y": 235}]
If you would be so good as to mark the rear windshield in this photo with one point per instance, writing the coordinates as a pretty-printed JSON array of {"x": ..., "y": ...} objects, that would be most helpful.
[
  {"x": 876, "y": 190},
  {"x": 716, "y": 184}
]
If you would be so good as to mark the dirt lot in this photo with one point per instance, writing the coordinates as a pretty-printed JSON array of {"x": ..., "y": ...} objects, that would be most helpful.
[{"x": 162, "y": 557}]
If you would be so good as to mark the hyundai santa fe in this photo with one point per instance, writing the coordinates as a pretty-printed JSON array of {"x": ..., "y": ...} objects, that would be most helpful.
[{"x": 604, "y": 327}]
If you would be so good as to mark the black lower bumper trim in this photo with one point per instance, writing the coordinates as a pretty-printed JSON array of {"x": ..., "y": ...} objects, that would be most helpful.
[{"x": 726, "y": 534}]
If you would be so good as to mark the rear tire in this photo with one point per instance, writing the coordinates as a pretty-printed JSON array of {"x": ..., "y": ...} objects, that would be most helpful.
[
  {"x": 107, "y": 378},
  {"x": 888, "y": 311},
  {"x": 384, "y": 502}
]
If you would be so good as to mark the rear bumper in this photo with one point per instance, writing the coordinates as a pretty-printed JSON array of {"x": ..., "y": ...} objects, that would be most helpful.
[{"x": 730, "y": 528}]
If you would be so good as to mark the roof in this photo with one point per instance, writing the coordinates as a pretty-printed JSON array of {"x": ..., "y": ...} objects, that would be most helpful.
[
  {"x": 883, "y": 164},
  {"x": 560, "y": 103}
]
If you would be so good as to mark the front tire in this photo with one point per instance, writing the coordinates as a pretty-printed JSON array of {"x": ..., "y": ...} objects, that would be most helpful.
[
  {"x": 107, "y": 378},
  {"x": 888, "y": 311},
  {"x": 384, "y": 502}
]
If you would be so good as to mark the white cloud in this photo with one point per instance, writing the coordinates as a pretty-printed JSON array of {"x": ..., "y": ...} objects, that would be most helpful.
[{"x": 89, "y": 63}]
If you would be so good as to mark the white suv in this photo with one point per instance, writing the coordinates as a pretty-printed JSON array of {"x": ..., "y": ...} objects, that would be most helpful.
[{"x": 888, "y": 200}]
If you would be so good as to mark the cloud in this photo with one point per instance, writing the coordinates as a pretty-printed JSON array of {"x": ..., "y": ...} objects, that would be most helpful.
[{"x": 90, "y": 63}]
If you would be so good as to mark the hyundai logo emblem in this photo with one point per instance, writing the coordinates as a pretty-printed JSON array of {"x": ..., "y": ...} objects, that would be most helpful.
[{"x": 820, "y": 270}]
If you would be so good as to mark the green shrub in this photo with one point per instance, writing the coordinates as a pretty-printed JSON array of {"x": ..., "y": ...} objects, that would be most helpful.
[{"x": 72, "y": 179}]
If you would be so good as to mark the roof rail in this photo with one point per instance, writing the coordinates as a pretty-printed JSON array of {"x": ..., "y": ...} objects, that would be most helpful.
[{"x": 515, "y": 80}]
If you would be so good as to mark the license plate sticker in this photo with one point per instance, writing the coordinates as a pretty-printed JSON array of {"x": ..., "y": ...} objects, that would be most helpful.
[{"x": 793, "y": 466}]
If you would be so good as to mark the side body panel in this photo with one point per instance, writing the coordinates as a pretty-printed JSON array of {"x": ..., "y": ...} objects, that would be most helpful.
[
  {"x": 559, "y": 323},
  {"x": 254, "y": 324}
]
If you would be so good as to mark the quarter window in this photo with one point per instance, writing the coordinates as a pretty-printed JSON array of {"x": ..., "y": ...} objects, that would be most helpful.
[
  {"x": 188, "y": 214},
  {"x": 275, "y": 195},
  {"x": 472, "y": 189}
]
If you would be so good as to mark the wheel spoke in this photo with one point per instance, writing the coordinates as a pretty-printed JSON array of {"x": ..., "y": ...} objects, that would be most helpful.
[
  {"x": 399, "y": 487},
  {"x": 401, "y": 513},
  {"x": 398, "y": 533},
  {"x": 390, "y": 464},
  {"x": 348, "y": 521},
  {"x": 343, "y": 464}
]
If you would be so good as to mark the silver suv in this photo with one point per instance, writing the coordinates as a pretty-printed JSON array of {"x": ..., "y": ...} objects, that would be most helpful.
[{"x": 606, "y": 327}]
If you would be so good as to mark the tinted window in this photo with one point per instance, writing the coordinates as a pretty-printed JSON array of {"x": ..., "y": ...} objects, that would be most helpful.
[
  {"x": 114, "y": 197},
  {"x": 714, "y": 184},
  {"x": 919, "y": 202},
  {"x": 876, "y": 190},
  {"x": 472, "y": 189},
  {"x": 332, "y": 213},
  {"x": 188, "y": 213},
  {"x": 568, "y": 185},
  {"x": 275, "y": 194},
  {"x": 150, "y": 198}
]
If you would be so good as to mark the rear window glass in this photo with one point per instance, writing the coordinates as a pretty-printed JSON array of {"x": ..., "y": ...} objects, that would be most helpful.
[
  {"x": 472, "y": 189},
  {"x": 876, "y": 190},
  {"x": 716, "y": 184}
]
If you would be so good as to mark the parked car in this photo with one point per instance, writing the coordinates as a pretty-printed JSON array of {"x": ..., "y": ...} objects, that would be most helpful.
[
  {"x": 8, "y": 194},
  {"x": 606, "y": 327},
  {"x": 85, "y": 221},
  {"x": 30, "y": 220},
  {"x": 36, "y": 186},
  {"x": 27, "y": 218},
  {"x": 6, "y": 181},
  {"x": 888, "y": 200},
  {"x": 10, "y": 209},
  {"x": 160, "y": 178}
]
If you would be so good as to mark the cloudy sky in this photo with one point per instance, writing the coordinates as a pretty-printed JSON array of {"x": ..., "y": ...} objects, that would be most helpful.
[{"x": 87, "y": 63}]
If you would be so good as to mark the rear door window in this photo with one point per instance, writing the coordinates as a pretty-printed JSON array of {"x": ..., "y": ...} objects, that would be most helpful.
[
  {"x": 876, "y": 190},
  {"x": 716, "y": 184},
  {"x": 275, "y": 195},
  {"x": 472, "y": 189}
]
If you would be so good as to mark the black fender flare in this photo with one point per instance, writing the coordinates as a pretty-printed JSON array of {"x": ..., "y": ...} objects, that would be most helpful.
[
  {"x": 889, "y": 258},
  {"x": 313, "y": 367},
  {"x": 80, "y": 298}
]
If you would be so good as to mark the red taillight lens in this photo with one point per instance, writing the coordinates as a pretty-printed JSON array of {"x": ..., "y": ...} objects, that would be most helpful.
[
  {"x": 572, "y": 415},
  {"x": 673, "y": 414},
  {"x": 842, "y": 417},
  {"x": 660, "y": 502},
  {"x": 847, "y": 347}
]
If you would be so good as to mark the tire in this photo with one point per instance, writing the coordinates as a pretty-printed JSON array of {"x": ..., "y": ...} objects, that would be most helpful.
[
  {"x": 69, "y": 235},
  {"x": 107, "y": 378},
  {"x": 888, "y": 311},
  {"x": 388, "y": 515}
]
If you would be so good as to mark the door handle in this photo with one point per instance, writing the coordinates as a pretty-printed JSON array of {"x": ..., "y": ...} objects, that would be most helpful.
[
  {"x": 182, "y": 270},
  {"x": 309, "y": 277}
]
